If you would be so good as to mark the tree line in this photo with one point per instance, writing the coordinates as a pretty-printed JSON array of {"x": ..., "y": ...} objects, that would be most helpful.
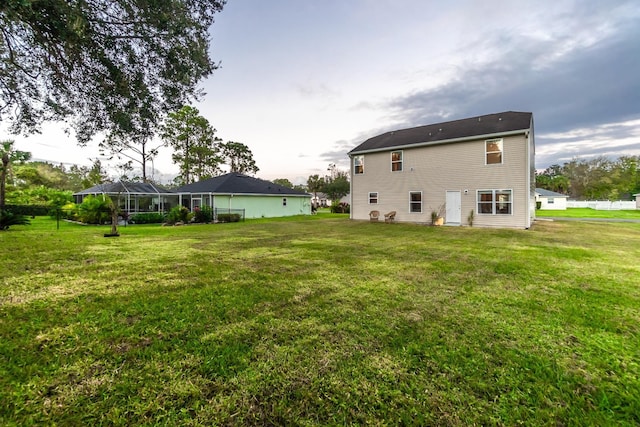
[{"x": 599, "y": 178}]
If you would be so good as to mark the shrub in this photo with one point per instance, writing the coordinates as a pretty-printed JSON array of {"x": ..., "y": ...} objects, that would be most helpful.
[
  {"x": 203, "y": 214},
  {"x": 95, "y": 210},
  {"x": 230, "y": 217},
  {"x": 8, "y": 219},
  {"x": 27, "y": 210},
  {"x": 338, "y": 207},
  {"x": 147, "y": 218},
  {"x": 178, "y": 214},
  {"x": 68, "y": 211}
]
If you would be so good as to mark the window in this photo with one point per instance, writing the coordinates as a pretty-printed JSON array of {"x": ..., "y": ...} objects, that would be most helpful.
[
  {"x": 358, "y": 164},
  {"x": 396, "y": 161},
  {"x": 284, "y": 201},
  {"x": 415, "y": 201},
  {"x": 373, "y": 198},
  {"x": 493, "y": 149},
  {"x": 495, "y": 202},
  {"x": 550, "y": 201}
]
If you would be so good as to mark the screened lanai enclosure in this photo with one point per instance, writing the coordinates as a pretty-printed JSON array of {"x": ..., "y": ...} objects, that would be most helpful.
[{"x": 133, "y": 197}]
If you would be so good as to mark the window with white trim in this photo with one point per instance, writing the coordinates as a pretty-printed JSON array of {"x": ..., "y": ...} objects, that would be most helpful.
[
  {"x": 415, "y": 201},
  {"x": 373, "y": 198},
  {"x": 495, "y": 202},
  {"x": 396, "y": 161},
  {"x": 358, "y": 165},
  {"x": 493, "y": 151}
]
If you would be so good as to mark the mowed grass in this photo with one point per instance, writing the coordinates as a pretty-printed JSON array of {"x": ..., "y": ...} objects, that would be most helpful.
[
  {"x": 590, "y": 213},
  {"x": 320, "y": 321}
]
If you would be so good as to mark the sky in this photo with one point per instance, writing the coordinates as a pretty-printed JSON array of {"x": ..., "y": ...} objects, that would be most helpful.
[{"x": 302, "y": 82}]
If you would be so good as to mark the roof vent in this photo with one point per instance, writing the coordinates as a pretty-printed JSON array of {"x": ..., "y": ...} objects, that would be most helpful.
[
  {"x": 440, "y": 130},
  {"x": 479, "y": 119},
  {"x": 499, "y": 119}
]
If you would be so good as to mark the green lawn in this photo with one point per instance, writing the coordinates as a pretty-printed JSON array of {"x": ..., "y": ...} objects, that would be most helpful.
[
  {"x": 589, "y": 213},
  {"x": 320, "y": 321}
]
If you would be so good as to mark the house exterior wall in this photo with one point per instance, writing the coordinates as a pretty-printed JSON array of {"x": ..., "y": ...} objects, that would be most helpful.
[
  {"x": 552, "y": 203},
  {"x": 436, "y": 169},
  {"x": 262, "y": 206}
]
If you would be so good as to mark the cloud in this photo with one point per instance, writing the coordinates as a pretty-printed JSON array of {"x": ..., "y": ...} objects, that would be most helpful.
[{"x": 582, "y": 86}]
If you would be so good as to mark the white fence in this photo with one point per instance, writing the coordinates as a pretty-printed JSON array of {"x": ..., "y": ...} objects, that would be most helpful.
[{"x": 602, "y": 205}]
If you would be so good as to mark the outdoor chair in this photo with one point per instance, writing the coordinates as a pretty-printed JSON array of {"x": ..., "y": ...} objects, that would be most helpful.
[
  {"x": 374, "y": 215},
  {"x": 390, "y": 217}
]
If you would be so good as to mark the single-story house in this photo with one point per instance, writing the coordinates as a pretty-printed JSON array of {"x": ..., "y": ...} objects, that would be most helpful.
[
  {"x": 550, "y": 200},
  {"x": 133, "y": 196},
  {"x": 257, "y": 198},
  {"x": 478, "y": 170},
  {"x": 321, "y": 200}
]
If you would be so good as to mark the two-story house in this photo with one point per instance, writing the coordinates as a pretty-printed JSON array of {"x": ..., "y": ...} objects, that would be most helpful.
[{"x": 480, "y": 167}]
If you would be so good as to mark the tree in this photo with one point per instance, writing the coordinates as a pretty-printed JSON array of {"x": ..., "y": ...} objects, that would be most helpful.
[
  {"x": 194, "y": 143},
  {"x": 131, "y": 149},
  {"x": 336, "y": 185},
  {"x": 315, "y": 183},
  {"x": 238, "y": 157},
  {"x": 81, "y": 177},
  {"x": 9, "y": 156},
  {"x": 284, "y": 182},
  {"x": 107, "y": 66}
]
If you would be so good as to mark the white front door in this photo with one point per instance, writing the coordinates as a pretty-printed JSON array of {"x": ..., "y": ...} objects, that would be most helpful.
[{"x": 453, "y": 207}]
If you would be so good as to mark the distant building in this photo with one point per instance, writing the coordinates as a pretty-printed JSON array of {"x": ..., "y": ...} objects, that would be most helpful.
[{"x": 550, "y": 200}]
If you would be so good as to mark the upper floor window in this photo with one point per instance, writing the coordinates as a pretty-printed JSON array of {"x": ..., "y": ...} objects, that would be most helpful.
[
  {"x": 415, "y": 201},
  {"x": 493, "y": 150},
  {"x": 396, "y": 161},
  {"x": 495, "y": 202},
  {"x": 373, "y": 198},
  {"x": 358, "y": 164}
]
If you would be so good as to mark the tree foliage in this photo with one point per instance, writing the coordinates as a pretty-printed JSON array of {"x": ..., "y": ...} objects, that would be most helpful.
[
  {"x": 284, "y": 182},
  {"x": 238, "y": 157},
  {"x": 315, "y": 183},
  {"x": 194, "y": 143},
  {"x": 598, "y": 178},
  {"x": 31, "y": 175},
  {"x": 110, "y": 66},
  {"x": 336, "y": 185},
  {"x": 8, "y": 156}
]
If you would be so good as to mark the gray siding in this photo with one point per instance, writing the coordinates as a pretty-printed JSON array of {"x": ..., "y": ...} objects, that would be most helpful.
[{"x": 458, "y": 166}]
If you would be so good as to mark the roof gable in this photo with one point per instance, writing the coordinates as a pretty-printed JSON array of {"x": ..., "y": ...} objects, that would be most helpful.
[
  {"x": 236, "y": 183},
  {"x": 491, "y": 124}
]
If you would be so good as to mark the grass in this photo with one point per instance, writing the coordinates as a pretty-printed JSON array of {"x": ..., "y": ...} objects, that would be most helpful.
[
  {"x": 590, "y": 213},
  {"x": 320, "y": 321}
]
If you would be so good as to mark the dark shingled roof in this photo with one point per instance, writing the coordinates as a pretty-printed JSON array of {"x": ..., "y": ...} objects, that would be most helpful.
[
  {"x": 125, "y": 188},
  {"x": 235, "y": 183},
  {"x": 508, "y": 121}
]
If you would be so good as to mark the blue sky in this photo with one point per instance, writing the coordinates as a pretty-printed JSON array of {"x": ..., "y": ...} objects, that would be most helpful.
[{"x": 302, "y": 82}]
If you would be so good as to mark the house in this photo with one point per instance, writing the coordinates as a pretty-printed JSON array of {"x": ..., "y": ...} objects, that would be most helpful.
[
  {"x": 480, "y": 165},
  {"x": 133, "y": 196},
  {"x": 550, "y": 200},
  {"x": 233, "y": 192},
  {"x": 637, "y": 196},
  {"x": 322, "y": 200}
]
